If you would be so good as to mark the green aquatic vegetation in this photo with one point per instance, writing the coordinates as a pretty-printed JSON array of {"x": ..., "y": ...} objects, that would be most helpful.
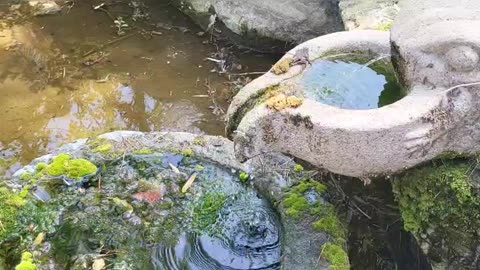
[
  {"x": 207, "y": 210},
  {"x": 26, "y": 262},
  {"x": 10, "y": 205},
  {"x": 439, "y": 196},
  {"x": 63, "y": 164},
  {"x": 336, "y": 256}
]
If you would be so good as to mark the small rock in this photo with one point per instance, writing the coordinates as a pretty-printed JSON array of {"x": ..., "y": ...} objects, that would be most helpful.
[
  {"x": 201, "y": 34},
  {"x": 44, "y": 7},
  {"x": 98, "y": 264}
]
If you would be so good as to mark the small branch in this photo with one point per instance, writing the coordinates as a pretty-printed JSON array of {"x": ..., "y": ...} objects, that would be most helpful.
[
  {"x": 108, "y": 44},
  {"x": 247, "y": 73}
]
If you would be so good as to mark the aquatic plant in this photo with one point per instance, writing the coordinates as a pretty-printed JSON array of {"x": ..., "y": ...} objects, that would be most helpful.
[
  {"x": 207, "y": 209},
  {"x": 244, "y": 177}
]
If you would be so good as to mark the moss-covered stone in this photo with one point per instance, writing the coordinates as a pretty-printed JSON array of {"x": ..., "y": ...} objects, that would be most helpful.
[
  {"x": 75, "y": 169},
  {"x": 104, "y": 148},
  {"x": 440, "y": 205},
  {"x": 336, "y": 256}
]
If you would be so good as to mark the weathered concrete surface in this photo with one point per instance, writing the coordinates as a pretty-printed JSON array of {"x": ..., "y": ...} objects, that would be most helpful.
[
  {"x": 369, "y": 14},
  {"x": 288, "y": 20},
  {"x": 439, "y": 115}
]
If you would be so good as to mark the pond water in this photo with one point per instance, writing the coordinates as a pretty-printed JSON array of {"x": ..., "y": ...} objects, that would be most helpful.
[
  {"x": 59, "y": 82},
  {"x": 348, "y": 84}
]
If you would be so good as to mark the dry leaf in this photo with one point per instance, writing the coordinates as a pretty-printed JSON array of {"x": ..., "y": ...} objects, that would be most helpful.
[{"x": 189, "y": 183}]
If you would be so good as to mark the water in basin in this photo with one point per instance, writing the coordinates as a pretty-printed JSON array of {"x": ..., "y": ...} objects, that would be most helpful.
[{"x": 351, "y": 84}]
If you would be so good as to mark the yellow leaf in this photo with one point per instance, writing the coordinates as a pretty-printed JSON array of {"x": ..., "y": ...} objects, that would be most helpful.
[{"x": 189, "y": 183}]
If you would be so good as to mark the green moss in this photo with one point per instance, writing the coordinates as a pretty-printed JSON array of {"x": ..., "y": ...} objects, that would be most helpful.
[
  {"x": 63, "y": 164},
  {"x": 41, "y": 166},
  {"x": 207, "y": 210},
  {"x": 244, "y": 177},
  {"x": 296, "y": 203},
  {"x": 200, "y": 141},
  {"x": 187, "y": 152},
  {"x": 336, "y": 256},
  {"x": 26, "y": 262},
  {"x": 298, "y": 168},
  {"x": 144, "y": 152},
  {"x": 385, "y": 27},
  {"x": 439, "y": 196},
  {"x": 331, "y": 225},
  {"x": 26, "y": 176},
  {"x": 10, "y": 204},
  {"x": 104, "y": 148},
  {"x": 199, "y": 168}
]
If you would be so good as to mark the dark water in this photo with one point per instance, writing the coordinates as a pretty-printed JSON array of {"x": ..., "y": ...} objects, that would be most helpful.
[{"x": 351, "y": 85}]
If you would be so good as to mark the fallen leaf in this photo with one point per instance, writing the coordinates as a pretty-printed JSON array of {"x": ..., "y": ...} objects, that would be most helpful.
[
  {"x": 148, "y": 196},
  {"x": 98, "y": 264},
  {"x": 189, "y": 182},
  {"x": 174, "y": 169},
  {"x": 39, "y": 239}
]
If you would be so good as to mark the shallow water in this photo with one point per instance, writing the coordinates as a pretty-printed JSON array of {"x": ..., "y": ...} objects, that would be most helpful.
[
  {"x": 51, "y": 94},
  {"x": 351, "y": 85}
]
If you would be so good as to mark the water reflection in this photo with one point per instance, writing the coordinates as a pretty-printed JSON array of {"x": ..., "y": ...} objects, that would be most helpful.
[{"x": 52, "y": 94}]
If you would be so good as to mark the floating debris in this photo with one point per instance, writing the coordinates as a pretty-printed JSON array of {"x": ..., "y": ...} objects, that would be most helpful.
[{"x": 189, "y": 183}]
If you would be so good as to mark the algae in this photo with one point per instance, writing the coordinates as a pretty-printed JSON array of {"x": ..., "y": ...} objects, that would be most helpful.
[
  {"x": 9, "y": 212},
  {"x": 206, "y": 211}
]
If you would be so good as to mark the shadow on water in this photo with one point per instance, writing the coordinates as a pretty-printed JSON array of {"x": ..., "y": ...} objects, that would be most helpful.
[
  {"x": 377, "y": 239},
  {"x": 59, "y": 83}
]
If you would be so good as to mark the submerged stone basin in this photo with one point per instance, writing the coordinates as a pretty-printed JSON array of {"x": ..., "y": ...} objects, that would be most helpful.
[{"x": 126, "y": 200}]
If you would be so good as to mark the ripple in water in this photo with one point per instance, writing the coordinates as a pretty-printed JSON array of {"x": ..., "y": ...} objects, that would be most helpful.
[{"x": 249, "y": 237}]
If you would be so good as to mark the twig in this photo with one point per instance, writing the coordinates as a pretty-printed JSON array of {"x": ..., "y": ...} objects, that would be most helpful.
[
  {"x": 463, "y": 85},
  {"x": 108, "y": 44},
  {"x": 247, "y": 73}
]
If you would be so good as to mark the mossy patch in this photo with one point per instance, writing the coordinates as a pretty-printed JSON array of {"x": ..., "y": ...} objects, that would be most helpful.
[
  {"x": 75, "y": 169},
  {"x": 336, "y": 256},
  {"x": 10, "y": 205},
  {"x": 282, "y": 66},
  {"x": 385, "y": 27},
  {"x": 104, "y": 148},
  {"x": 441, "y": 196},
  {"x": 187, "y": 152},
  {"x": 26, "y": 262},
  {"x": 201, "y": 141},
  {"x": 296, "y": 203},
  {"x": 281, "y": 102},
  {"x": 144, "y": 152}
]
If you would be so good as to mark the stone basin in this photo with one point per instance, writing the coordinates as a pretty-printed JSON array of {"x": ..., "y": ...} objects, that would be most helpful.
[{"x": 167, "y": 201}]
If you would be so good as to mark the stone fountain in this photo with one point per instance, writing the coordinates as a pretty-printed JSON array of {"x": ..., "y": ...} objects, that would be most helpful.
[{"x": 433, "y": 45}]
